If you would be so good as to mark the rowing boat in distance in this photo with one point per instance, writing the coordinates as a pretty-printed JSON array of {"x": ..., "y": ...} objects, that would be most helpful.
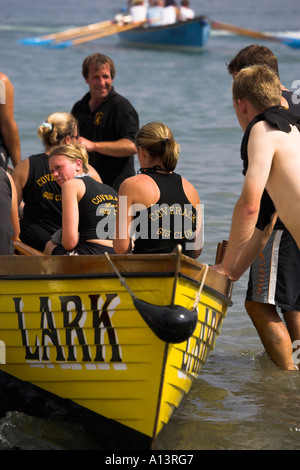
[
  {"x": 191, "y": 35},
  {"x": 109, "y": 343}
]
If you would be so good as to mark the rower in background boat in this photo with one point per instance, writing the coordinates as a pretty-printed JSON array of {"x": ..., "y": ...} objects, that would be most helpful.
[
  {"x": 185, "y": 11},
  {"x": 170, "y": 12},
  {"x": 138, "y": 11},
  {"x": 155, "y": 13}
]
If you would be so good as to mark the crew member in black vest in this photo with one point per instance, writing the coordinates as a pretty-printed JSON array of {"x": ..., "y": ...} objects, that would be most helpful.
[
  {"x": 158, "y": 208},
  {"x": 273, "y": 277},
  {"x": 271, "y": 155},
  {"x": 38, "y": 192},
  {"x": 88, "y": 206}
]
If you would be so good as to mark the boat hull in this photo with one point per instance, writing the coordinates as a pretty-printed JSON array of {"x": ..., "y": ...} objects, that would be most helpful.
[
  {"x": 73, "y": 336},
  {"x": 189, "y": 35}
]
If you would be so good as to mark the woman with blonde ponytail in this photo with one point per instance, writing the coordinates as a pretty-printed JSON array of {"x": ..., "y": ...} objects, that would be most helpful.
[
  {"x": 37, "y": 190},
  {"x": 158, "y": 208}
]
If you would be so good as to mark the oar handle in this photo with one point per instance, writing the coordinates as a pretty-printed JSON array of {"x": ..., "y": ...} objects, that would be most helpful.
[{"x": 288, "y": 41}]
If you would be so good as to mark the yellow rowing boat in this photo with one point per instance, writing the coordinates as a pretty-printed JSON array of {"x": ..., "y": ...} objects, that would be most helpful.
[{"x": 111, "y": 343}]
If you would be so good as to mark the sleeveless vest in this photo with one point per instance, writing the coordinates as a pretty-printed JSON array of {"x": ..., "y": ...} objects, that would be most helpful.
[
  {"x": 282, "y": 119},
  {"x": 42, "y": 195},
  {"x": 169, "y": 222},
  {"x": 97, "y": 210}
]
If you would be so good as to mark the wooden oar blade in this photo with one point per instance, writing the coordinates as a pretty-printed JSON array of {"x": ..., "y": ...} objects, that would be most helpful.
[
  {"x": 66, "y": 34},
  {"x": 170, "y": 323},
  {"x": 108, "y": 31},
  {"x": 288, "y": 41}
]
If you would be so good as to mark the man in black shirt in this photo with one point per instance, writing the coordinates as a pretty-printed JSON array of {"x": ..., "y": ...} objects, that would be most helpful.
[{"x": 108, "y": 123}]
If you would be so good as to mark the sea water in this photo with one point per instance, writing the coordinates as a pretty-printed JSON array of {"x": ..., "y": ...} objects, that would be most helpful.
[{"x": 241, "y": 400}]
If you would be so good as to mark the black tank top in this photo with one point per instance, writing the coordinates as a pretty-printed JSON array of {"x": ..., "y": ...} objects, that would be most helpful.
[
  {"x": 281, "y": 119},
  {"x": 97, "y": 210},
  {"x": 169, "y": 222},
  {"x": 42, "y": 195},
  {"x": 6, "y": 229}
]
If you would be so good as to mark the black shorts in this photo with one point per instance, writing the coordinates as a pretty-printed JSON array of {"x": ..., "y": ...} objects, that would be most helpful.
[
  {"x": 84, "y": 248},
  {"x": 275, "y": 275}
]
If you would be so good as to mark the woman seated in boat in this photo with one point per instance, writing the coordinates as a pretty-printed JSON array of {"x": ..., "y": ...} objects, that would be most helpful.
[
  {"x": 9, "y": 227},
  {"x": 170, "y": 12},
  {"x": 138, "y": 11},
  {"x": 158, "y": 208},
  {"x": 37, "y": 190},
  {"x": 185, "y": 12},
  {"x": 155, "y": 12},
  {"x": 88, "y": 206}
]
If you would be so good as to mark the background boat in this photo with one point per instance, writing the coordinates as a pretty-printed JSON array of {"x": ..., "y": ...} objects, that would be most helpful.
[
  {"x": 77, "y": 348},
  {"x": 186, "y": 36}
]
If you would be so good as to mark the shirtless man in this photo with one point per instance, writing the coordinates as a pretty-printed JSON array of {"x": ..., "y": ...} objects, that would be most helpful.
[
  {"x": 9, "y": 134},
  {"x": 271, "y": 155}
]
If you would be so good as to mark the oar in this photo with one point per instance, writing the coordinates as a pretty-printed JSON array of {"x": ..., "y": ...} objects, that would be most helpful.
[
  {"x": 170, "y": 323},
  {"x": 292, "y": 42},
  {"x": 66, "y": 34},
  {"x": 23, "y": 249},
  {"x": 110, "y": 30}
]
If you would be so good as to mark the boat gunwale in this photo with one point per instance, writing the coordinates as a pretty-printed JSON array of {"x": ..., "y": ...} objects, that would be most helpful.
[
  {"x": 146, "y": 28},
  {"x": 167, "y": 274}
]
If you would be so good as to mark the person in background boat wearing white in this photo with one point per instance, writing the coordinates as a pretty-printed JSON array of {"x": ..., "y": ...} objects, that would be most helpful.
[
  {"x": 138, "y": 11},
  {"x": 278, "y": 264},
  {"x": 163, "y": 205},
  {"x": 9, "y": 133},
  {"x": 155, "y": 13},
  {"x": 108, "y": 123},
  {"x": 39, "y": 196},
  {"x": 9, "y": 220},
  {"x": 170, "y": 12},
  {"x": 271, "y": 154},
  {"x": 88, "y": 207},
  {"x": 185, "y": 12}
]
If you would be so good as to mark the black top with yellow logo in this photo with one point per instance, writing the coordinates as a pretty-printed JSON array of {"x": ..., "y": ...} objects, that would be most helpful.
[{"x": 169, "y": 222}]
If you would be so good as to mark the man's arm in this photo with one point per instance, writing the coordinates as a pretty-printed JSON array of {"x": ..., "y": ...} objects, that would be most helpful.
[
  {"x": 252, "y": 250},
  {"x": 119, "y": 148},
  {"x": 8, "y": 125},
  {"x": 260, "y": 155}
]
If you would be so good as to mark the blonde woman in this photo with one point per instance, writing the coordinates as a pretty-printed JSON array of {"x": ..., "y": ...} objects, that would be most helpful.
[
  {"x": 88, "y": 206},
  {"x": 36, "y": 187},
  {"x": 158, "y": 207}
]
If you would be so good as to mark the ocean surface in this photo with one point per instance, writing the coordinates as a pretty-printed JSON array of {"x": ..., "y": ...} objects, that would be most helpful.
[{"x": 241, "y": 400}]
